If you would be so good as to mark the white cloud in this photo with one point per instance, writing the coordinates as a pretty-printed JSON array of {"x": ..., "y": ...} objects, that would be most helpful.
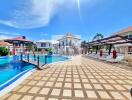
[
  {"x": 38, "y": 13},
  {"x": 2, "y": 37},
  {"x": 9, "y": 33},
  {"x": 43, "y": 34}
]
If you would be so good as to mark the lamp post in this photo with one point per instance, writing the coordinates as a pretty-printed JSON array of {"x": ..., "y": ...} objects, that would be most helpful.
[
  {"x": 38, "y": 60},
  {"x": 45, "y": 59}
]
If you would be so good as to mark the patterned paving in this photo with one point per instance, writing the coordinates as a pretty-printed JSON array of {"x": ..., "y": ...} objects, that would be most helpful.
[{"x": 78, "y": 79}]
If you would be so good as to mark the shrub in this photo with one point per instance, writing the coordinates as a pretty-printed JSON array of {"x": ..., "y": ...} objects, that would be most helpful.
[{"x": 4, "y": 51}]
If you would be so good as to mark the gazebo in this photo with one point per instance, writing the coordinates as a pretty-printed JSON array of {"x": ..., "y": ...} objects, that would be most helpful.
[{"x": 19, "y": 44}]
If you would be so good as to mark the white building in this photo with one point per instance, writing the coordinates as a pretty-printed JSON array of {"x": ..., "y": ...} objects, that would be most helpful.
[
  {"x": 45, "y": 44},
  {"x": 69, "y": 44}
]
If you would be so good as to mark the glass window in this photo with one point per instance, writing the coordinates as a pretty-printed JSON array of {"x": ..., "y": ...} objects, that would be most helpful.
[{"x": 43, "y": 44}]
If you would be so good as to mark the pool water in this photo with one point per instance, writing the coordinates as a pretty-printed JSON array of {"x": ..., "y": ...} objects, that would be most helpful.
[
  {"x": 10, "y": 67},
  {"x": 52, "y": 59},
  {"x": 49, "y": 59}
]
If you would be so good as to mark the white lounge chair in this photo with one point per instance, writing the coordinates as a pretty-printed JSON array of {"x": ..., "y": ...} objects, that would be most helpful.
[
  {"x": 96, "y": 56},
  {"x": 106, "y": 57},
  {"x": 91, "y": 55},
  {"x": 118, "y": 59}
]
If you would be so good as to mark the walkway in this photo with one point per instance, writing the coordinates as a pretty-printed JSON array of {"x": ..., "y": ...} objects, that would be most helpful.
[{"x": 78, "y": 79}]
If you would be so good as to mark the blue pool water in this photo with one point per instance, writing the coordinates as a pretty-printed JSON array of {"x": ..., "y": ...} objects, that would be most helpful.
[
  {"x": 51, "y": 59},
  {"x": 11, "y": 66}
]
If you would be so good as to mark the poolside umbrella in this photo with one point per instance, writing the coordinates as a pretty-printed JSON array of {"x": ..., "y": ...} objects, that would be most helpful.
[
  {"x": 114, "y": 54},
  {"x": 100, "y": 52},
  {"x": 2, "y": 43}
]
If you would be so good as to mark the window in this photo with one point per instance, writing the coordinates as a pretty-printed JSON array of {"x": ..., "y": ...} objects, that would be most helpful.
[
  {"x": 43, "y": 44},
  {"x": 130, "y": 36}
]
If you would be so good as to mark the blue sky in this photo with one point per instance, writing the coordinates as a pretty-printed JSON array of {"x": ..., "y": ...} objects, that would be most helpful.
[{"x": 42, "y": 19}]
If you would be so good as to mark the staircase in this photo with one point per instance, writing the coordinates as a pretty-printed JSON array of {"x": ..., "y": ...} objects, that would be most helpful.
[{"x": 70, "y": 51}]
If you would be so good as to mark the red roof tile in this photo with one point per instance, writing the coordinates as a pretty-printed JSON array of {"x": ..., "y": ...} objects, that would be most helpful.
[
  {"x": 126, "y": 30},
  {"x": 19, "y": 39}
]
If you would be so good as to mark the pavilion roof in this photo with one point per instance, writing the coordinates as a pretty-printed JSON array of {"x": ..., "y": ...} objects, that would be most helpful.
[
  {"x": 115, "y": 39},
  {"x": 22, "y": 39},
  {"x": 125, "y": 31}
]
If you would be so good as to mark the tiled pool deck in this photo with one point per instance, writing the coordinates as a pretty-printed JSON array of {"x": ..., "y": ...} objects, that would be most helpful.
[{"x": 78, "y": 79}]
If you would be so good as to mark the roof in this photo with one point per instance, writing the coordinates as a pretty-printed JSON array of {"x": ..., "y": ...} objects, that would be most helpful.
[
  {"x": 23, "y": 39},
  {"x": 125, "y": 31},
  {"x": 115, "y": 39},
  {"x": 123, "y": 45},
  {"x": 69, "y": 35},
  {"x": 120, "y": 37},
  {"x": 2, "y": 43}
]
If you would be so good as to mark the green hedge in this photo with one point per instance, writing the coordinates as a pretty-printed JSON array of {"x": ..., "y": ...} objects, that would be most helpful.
[{"x": 4, "y": 51}]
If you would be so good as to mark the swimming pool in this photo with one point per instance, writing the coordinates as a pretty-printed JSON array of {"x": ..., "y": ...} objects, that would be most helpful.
[{"x": 11, "y": 66}]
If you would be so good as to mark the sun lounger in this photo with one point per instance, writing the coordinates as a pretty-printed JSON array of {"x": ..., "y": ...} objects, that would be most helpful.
[
  {"x": 91, "y": 55},
  {"x": 96, "y": 56},
  {"x": 106, "y": 57},
  {"x": 118, "y": 59}
]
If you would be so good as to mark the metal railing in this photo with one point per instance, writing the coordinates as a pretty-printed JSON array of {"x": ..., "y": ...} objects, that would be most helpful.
[{"x": 35, "y": 59}]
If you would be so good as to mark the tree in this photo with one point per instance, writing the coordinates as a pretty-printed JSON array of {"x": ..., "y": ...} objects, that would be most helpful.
[
  {"x": 4, "y": 51},
  {"x": 98, "y": 36},
  {"x": 31, "y": 47}
]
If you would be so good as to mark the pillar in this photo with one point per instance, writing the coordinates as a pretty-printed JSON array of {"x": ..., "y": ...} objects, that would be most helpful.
[
  {"x": 96, "y": 49},
  {"x": 110, "y": 49}
]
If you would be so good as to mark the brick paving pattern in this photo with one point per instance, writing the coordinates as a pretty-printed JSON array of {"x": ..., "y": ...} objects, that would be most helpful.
[{"x": 78, "y": 79}]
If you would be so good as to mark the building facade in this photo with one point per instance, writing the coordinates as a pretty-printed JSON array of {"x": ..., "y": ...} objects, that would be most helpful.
[
  {"x": 43, "y": 44},
  {"x": 69, "y": 44}
]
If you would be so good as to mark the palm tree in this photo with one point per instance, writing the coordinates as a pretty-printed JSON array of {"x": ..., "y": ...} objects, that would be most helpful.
[{"x": 98, "y": 36}]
